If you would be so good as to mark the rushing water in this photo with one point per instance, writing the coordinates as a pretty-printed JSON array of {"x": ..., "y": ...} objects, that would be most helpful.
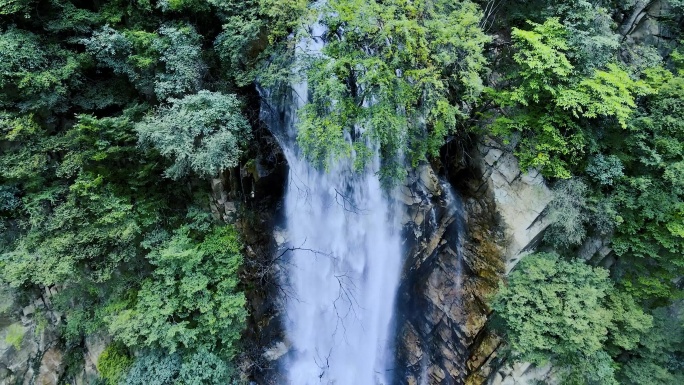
[{"x": 343, "y": 264}]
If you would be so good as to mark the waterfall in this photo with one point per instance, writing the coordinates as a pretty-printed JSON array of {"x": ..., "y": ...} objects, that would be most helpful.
[{"x": 342, "y": 262}]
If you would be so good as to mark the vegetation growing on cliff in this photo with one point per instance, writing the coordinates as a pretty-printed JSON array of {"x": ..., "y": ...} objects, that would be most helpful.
[
  {"x": 115, "y": 114},
  {"x": 605, "y": 130},
  {"x": 571, "y": 314},
  {"x": 395, "y": 74}
]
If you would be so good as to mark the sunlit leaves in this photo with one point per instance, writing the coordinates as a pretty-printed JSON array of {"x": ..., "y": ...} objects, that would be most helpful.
[
  {"x": 542, "y": 60},
  {"x": 393, "y": 74},
  {"x": 552, "y": 108},
  {"x": 607, "y": 93},
  {"x": 8, "y": 7}
]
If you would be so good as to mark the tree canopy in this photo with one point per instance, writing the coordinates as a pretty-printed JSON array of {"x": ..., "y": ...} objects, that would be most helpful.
[
  {"x": 569, "y": 313},
  {"x": 203, "y": 133},
  {"x": 116, "y": 114},
  {"x": 394, "y": 74}
]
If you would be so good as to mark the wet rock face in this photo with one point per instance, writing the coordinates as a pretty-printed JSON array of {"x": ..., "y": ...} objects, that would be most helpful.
[
  {"x": 455, "y": 259},
  {"x": 452, "y": 264},
  {"x": 259, "y": 185}
]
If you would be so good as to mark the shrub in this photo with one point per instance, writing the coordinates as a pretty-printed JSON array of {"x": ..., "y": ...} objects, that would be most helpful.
[
  {"x": 113, "y": 363},
  {"x": 15, "y": 335}
]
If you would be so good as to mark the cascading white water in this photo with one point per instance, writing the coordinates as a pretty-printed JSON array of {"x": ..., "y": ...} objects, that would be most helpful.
[
  {"x": 343, "y": 277},
  {"x": 344, "y": 263}
]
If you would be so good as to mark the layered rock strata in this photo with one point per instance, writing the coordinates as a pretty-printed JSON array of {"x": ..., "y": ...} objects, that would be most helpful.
[{"x": 459, "y": 244}]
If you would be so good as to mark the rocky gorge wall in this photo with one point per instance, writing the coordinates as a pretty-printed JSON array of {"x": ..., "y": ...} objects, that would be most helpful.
[
  {"x": 455, "y": 260},
  {"x": 31, "y": 352},
  {"x": 519, "y": 199}
]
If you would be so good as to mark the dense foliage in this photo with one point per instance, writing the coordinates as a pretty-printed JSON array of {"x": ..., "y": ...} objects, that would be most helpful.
[
  {"x": 599, "y": 115},
  {"x": 660, "y": 353},
  {"x": 115, "y": 114},
  {"x": 190, "y": 300},
  {"x": 113, "y": 363},
  {"x": 649, "y": 197},
  {"x": 394, "y": 74},
  {"x": 158, "y": 368},
  {"x": 571, "y": 314},
  {"x": 553, "y": 110},
  {"x": 203, "y": 133}
]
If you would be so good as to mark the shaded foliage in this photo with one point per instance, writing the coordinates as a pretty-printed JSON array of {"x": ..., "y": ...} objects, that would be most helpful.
[
  {"x": 649, "y": 198},
  {"x": 200, "y": 368},
  {"x": 658, "y": 360}
]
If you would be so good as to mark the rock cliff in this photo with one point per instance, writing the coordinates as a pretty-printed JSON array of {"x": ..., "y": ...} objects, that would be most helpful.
[
  {"x": 459, "y": 244},
  {"x": 467, "y": 222},
  {"x": 31, "y": 351}
]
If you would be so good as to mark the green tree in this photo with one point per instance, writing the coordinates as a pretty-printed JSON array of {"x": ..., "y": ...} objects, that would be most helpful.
[
  {"x": 658, "y": 360},
  {"x": 400, "y": 76},
  {"x": 81, "y": 203},
  {"x": 591, "y": 28},
  {"x": 78, "y": 214},
  {"x": 35, "y": 75},
  {"x": 568, "y": 313},
  {"x": 650, "y": 195},
  {"x": 204, "y": 133},
  {"x": 204, "y": 368},
  {"x": 191, "y": 299},
  {"x": 181, "y": 56},
  {"x": 113, "y": 363},
  {"x": 568, "y": 214},
  {"x": 605, "y": 170},
  {"x": 168, "y": 63},
  {"x": 8, "y": 7},
  {"x": 552, "y": 110},
  {"x": 154, "y": 367},
  {"x": 254, "y": 43}
]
